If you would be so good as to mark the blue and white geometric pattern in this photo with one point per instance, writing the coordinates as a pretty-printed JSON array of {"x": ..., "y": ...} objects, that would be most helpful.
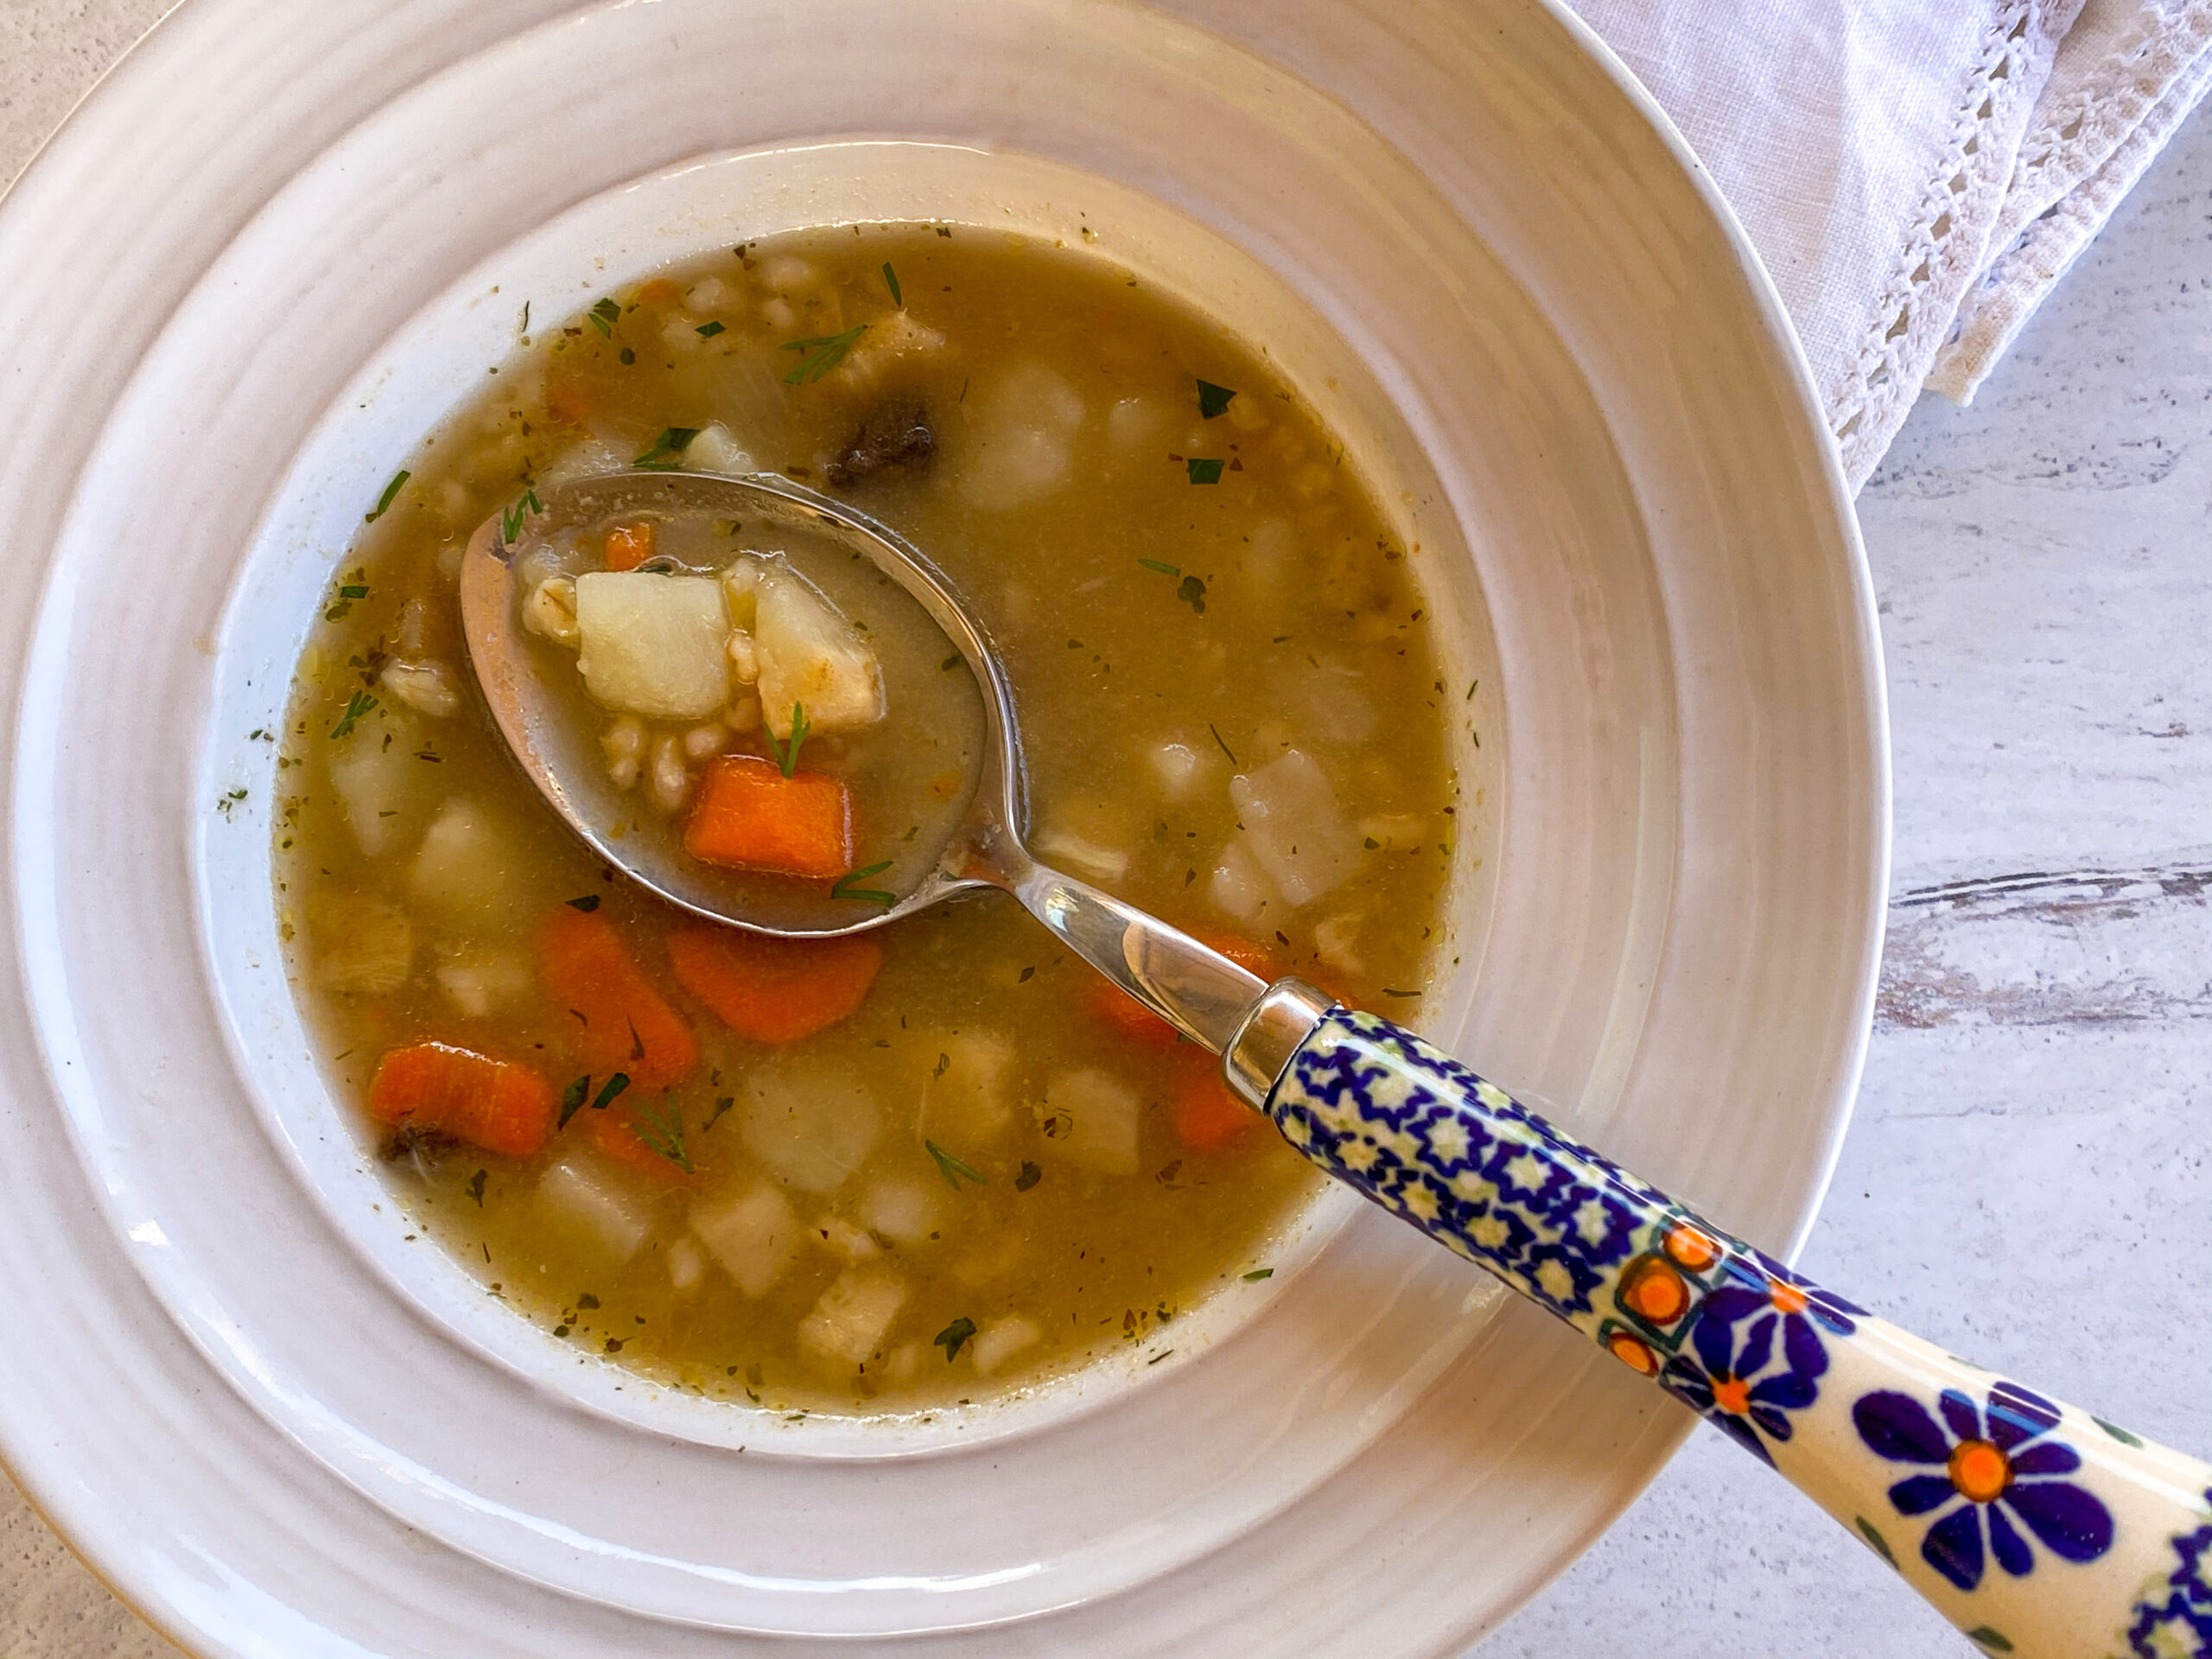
[{"x": 1382, "y": 1110}]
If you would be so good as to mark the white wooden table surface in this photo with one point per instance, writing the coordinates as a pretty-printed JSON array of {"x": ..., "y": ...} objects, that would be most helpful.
[{"x": 2027, "y": 1180}]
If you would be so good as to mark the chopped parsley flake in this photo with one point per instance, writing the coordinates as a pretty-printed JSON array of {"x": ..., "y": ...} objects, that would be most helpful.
[
  {"x": 356, "y": 706},
  {"x": 610, "y": 1091},
  {"x": 891, "y": 282},
  {"x": 1212, "y": 400},
  {"x": 1193, "y": 593},
  {"x": 1028, "y": 1177},
  {"x": 844, "y": 888},
  {"x": 819, "y": 354},
  {"x": 787, "y": 752},
  {"x": 572, "y": 1100},
  {"x": 391, "y": 491},
  {"x": 708, "y": 330},
  {"x": 1258, "y": 1274},
  {"x": 1165, "y": 569},
  {"x": 605, "y": 315},
  {"x": 587, "y": 903},
  {"x": 722, "y": 1103},
  {"x": 951, "y": 1168},
  {"x": 476, "y": 1188},
  {"x": 668, "y": 448},
  {"x": 1202, "y": 470},
  {"x": 954, "y": 1338}
]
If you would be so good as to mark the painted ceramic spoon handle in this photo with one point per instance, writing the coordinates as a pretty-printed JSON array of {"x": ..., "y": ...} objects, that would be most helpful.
[{"x": 2036, "y": 1528}]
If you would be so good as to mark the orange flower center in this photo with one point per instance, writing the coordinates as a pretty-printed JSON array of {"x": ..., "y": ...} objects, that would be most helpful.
[
  {"x": 1980, "y": 1471},
  {"x": 1691, "y": 1247},
  {"x": 1787, "y": 1298},
  {"x": 1732, "y": 1395},
  {"x": 1633, "y": 1352},
  {"x": 1657, "y": 1291}
]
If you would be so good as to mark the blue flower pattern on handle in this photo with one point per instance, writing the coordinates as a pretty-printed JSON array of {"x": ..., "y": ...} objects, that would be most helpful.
[
  {"x": 2001, "y": 1464},
  {"x": 1739, "y": 1337}
]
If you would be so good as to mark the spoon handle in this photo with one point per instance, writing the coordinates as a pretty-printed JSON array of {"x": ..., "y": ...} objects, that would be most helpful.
[{"x": 2036, "y": 1528}]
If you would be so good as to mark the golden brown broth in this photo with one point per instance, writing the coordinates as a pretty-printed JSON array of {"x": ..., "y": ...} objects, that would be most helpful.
[{"x": 1312, "y": 636}]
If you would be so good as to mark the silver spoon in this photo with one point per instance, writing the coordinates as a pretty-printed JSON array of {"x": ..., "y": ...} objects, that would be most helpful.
[{"x": 2037, "y": 1529}]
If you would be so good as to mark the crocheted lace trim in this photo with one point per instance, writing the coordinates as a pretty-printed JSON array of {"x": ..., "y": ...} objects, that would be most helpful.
[{"x": 1958, "y": 213}]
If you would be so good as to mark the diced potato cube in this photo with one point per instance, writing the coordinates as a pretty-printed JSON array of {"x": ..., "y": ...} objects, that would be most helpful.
[
  {"x": 964, "y": 1092},
  {"x": 755, "y": 1237},
  {"x": 550, "y": 611},
  {"x": 381, "y": 785},
  {"x": 904, "y": 1211},
  {"x": 467, "y": 868},
  {"x": 849, "y": 1322},
  {"x": 1090, "y": 1117},
  {"x": 576, "y": 1203},
  {"x": 808, "y": 653},
  {"x": 1296, "y": 828},
  {"x": 843, "y": 1240},
  {"x": 653, "y": 645},
  {"x": 713, "y": 449},
  {"x": 1000, "y": 1340},
  {"x": 480, "y": 982},
  {"x": 811, "y": 1128},
  {"x": 428, "y": 687}
]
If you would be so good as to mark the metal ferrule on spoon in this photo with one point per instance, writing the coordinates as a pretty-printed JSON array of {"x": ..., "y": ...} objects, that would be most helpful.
[{"x": 2036, "y": 1528}]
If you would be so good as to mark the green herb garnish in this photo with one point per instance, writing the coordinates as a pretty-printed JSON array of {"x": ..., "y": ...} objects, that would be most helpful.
[
  {"x": 1193, "y": 593},
  {"x": 229, "y": 800},
  {"x": 1202, "y": 470},
  {"x": 708, "y": 330},
  {"x": 1212, "y": 400},
  {"x": 954, "y": 1338},
  {"x": 587, "y": 903},
  {"x": 819, "y": 354},
  {"x": 949, "y": 664},
  {"x": 610, "y": 1091},
  {"x": 844, "y": 889},
  {"x": 1026, "y": 1177},
  {"x": 722, "y": 1103},
  {"x": 391, "y": 490},
  {"x": 891, "y": 282},
  {"x": 605, "y": 315},
  {"x": 1387, "y": 991},
  {"x": 787, "y": 751},
  {"x": 662, "y": 1131},
  {"x": 1165, "y": 569},
  {"x": 511, "y": 521},
  {"x": 476, "y": 1186},
  {"x": 951, "y": 1168},
  {"x": 1223, "y": 741},
  {"x": 572, "y": 1100},
  {"x": 1258, "y": 1274},
  {"x": 668, "y": 448},
  {"x": 356, "y": 705}
]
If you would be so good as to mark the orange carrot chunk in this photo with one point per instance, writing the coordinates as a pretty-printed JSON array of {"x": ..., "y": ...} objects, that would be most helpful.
[
  {"x": 1203, "y": 1112},
  {"x": 630, "y": 545},
  {"x": 646, "y": 1136},
  {"x": 773, "y": 990},
  {"x": 750, "y": 816},
  {"x": 616, "y": 1020},
  {"x": 494, "y": 1105}
]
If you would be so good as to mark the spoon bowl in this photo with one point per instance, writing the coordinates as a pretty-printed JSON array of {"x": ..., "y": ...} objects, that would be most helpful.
[{"x": 1196, "y": 989}]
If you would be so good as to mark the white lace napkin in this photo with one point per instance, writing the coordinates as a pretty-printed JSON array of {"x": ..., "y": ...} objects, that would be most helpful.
[{"x": 1916, "y": 173}]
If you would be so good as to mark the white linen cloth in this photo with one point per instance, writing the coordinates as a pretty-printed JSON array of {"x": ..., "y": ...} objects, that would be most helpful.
[{"x": 1916, "y": 173}]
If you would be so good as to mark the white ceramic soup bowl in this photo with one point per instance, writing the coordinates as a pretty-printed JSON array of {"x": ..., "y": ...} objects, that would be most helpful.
[{"x": 292, "y": 243}]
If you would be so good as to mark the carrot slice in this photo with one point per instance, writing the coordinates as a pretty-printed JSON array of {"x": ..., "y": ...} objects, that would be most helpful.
[
  {"x": 1205, "y": 1113},
  {"x": 495, "y": 1104},
  {"x": 773, "y": 990},
  {"x": 619, "y": 1132},
  {"x": 751, "y": 818},
  {"x": 621, "y": 1023},
  {"x": 630, "y": 545}
]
